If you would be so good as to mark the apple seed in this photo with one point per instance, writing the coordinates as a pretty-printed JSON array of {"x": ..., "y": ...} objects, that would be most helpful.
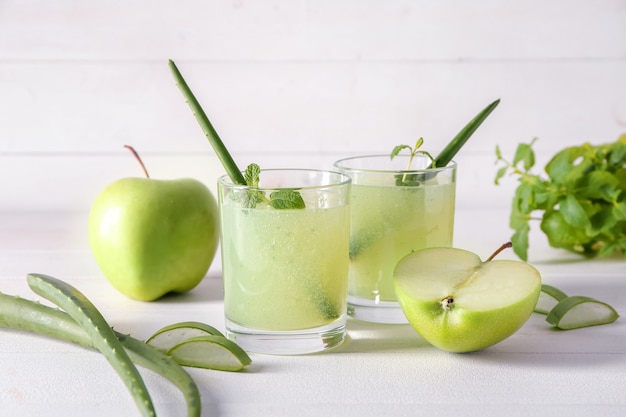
[{"x": 447, "y": 303}]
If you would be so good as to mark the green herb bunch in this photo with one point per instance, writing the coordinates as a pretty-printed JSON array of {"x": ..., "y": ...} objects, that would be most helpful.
[{"x": 583, "y": 198}]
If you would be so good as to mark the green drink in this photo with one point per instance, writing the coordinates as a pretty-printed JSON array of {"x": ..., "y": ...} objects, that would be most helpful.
[
  {"x": 394, "y": 211},
  {"x": 285, "y": 270}
]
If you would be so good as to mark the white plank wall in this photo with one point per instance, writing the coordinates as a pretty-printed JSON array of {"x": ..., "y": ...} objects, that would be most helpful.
[{"x": 295, "y": 83}]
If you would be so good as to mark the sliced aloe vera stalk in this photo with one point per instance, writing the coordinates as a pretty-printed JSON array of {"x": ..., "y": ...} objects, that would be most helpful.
[
  {"x": 579, "y": 311},
  {"x": 548, "y": 298},
  {"x": 169, "y": 336},
  {"x": 211, "y": 352}
]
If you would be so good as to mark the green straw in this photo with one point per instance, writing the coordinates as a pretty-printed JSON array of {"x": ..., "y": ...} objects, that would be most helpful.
[
  {"x": 222, "y": 153},
  {"x": 459, "y": 140}
]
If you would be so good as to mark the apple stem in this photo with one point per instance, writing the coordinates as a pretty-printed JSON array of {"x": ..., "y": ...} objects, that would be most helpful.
[
  {"x": 145, "y": 171},
  {"x": 500, "y": 249}
]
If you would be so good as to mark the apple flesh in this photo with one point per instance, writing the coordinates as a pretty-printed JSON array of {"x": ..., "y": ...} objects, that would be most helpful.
[
  {"x": 459, "y": 303},
  {"x": 151, "y": 237}
]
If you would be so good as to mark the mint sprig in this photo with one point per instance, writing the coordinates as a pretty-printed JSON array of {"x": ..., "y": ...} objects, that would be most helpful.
[
  {"x": 446, "y": 155},
  {"x": 285, "y": 199},
  {"x": 413, "y": 179},
  {"x": 288, "y": 199},
  {"x": 581, "y": 204}
]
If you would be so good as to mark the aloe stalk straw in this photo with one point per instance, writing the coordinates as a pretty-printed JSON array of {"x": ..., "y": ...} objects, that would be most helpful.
[
  {"x": 211, "y": 134},
  {"x": 446, "y": 155}
]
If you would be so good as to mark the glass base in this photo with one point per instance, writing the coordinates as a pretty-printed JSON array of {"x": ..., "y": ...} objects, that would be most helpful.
[
  {"x": 294, "y": 342},
  {"x": 365, "y": 309}
]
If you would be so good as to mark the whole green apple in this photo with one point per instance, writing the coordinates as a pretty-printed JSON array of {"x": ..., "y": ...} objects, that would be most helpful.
[
  {"x": 151, "y": 237},
  {"x": 459, "y": 303}
]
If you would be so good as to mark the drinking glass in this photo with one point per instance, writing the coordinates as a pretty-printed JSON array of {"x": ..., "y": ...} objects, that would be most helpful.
[
  {"x": 285, "y": 270},
  {"x": 398, "y": 206}
]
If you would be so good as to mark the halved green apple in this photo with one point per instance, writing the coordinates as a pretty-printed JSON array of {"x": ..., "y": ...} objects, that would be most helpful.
[{"x": 459, "y": 303}]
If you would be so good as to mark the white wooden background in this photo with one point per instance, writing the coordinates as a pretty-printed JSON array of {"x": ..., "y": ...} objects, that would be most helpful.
[{"x": 295, "y": 83}]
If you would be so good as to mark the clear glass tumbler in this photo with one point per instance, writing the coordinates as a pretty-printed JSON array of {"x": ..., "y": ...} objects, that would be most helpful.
[
  {"x": 285, "y": 270},
  {"x": 396, "y": 208}
]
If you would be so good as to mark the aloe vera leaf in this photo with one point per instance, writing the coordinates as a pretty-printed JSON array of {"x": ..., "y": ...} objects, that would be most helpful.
[
  {"x": 220, "y": 149},
  {"x": 446, "y": 155},
  {"x": 166, "y": 337},
  {"x": 74, "y": 303},
  {"x": 210, "y": 352},
  {"x": 548, "y": 298},
  {"x": 21, "y": 314},
  {"x": 579, "y": 311},
  {"x": 150, "y": 358}
]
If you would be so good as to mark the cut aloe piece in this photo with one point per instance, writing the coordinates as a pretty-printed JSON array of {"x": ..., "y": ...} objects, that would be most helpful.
[
  {"x": 211, "y": 352},
  {"x": 578, "y": 311},
  {"x": 169, "y": 336},
  {"x": 548, "y": 298}
]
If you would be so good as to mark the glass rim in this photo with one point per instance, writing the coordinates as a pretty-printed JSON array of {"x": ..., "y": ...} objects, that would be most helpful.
[
  {"x": 344, "y": 179},
  {"x": 339, "y": 165}
]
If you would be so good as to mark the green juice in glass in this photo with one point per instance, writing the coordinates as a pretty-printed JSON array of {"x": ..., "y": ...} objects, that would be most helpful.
[
  {"x": 389, "y": 220},
  {"x": 285, "y": 270}
]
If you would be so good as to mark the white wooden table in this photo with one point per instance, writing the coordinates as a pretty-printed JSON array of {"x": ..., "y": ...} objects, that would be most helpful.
[{"x": 380, "y": 370}]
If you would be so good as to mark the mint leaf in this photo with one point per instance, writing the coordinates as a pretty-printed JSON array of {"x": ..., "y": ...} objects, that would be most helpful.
[
  {"x": 286, "y": 199},
  {"x": 518, "y": 218},
  {"x": 520, "y": 241},
  {"x": 498, "y": 153},
  {"x": 561, "y": 234},
  {"x": 573, "y": 212},
  {"x": 559, "y": 166},
  {"x": 599, "y": 185},
  {"x": 525, "y": 154},
  {"x": 526, "y": 197},
  {"x": 609, "y": 248},
  {"x": 251, "y": 198},
  {"x": 619, "y": 210},
  {"x": 247, "y": 198},
  {"x": 252, "y": 175},
  {"x": 617, "y": 153},
  {"x": 397, "y": 149},
  {"x": 501, "y": 173},
  {"x": 602, "y": 222}
]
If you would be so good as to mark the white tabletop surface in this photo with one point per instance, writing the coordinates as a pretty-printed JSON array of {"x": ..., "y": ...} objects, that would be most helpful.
[{"x": 381, "y": 370}]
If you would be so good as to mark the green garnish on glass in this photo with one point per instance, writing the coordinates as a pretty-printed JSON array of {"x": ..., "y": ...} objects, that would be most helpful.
[
  {"x": 446, "y": 155},
  {"x": 283, "y": 199}
]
